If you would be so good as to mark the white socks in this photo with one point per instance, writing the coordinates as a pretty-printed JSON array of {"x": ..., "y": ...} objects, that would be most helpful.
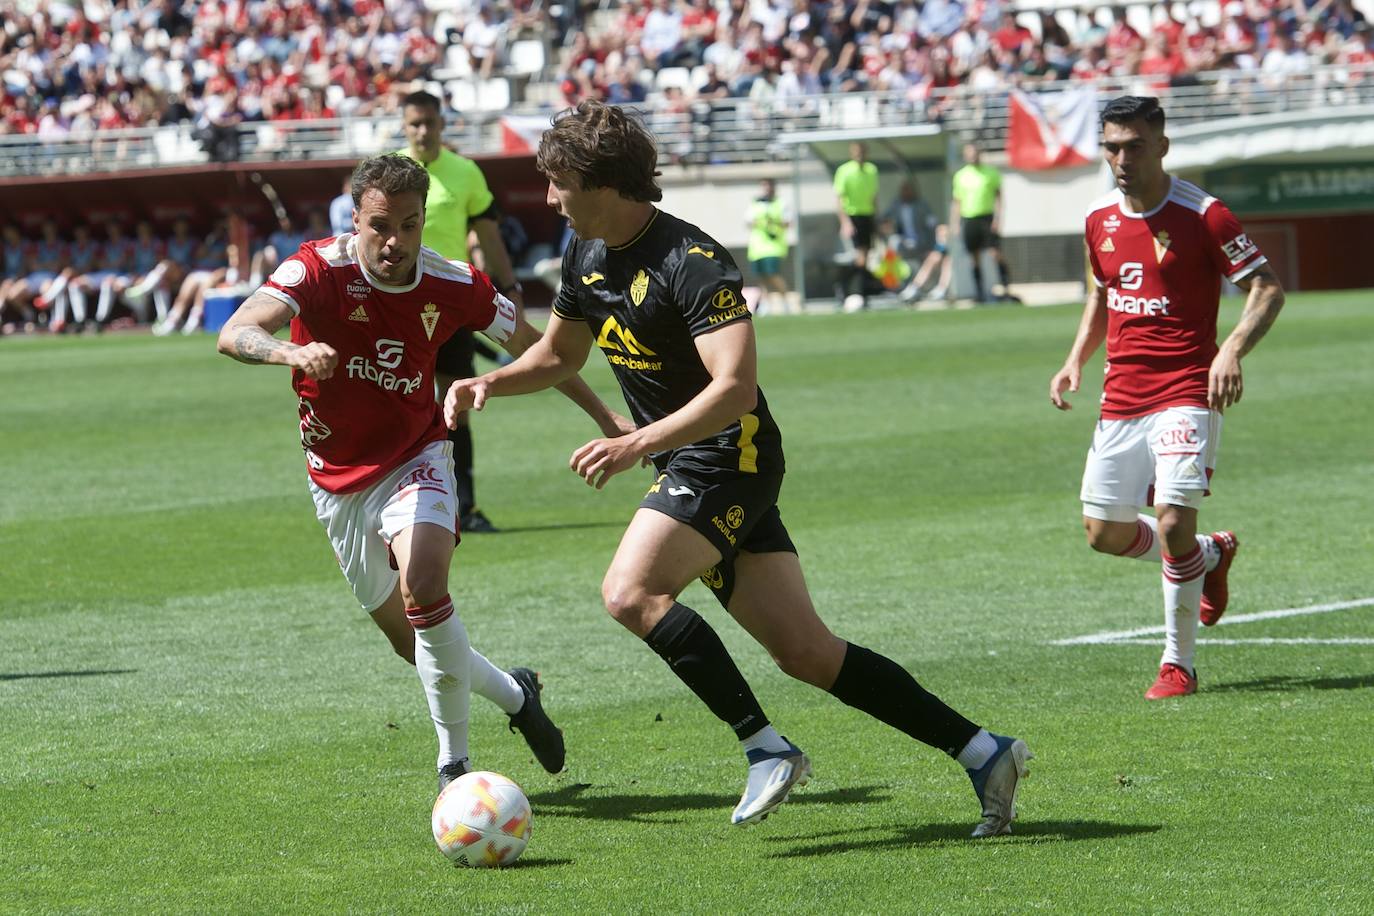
[
  {"x": 1182, "y": 584},
  {"x": 443, "y": 659},
  {"x": 1147, "y": 544},
  {"x": 765, "y": 739},
  {"x": 978, "y": 751},
  {"x": 494, "y": 684}
]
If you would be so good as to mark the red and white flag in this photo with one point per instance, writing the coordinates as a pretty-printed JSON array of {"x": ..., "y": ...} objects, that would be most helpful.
[
  {"x": 1050, "y": 130},
  {"x": 521, "y": 133}
]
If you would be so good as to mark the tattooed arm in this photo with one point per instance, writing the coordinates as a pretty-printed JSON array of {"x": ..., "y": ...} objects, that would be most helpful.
[
  {"x": 248, "y": 337},
  {"x": 1262, "y": 305}
]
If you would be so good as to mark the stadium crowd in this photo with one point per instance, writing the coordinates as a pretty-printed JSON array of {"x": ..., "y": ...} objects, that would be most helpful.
[
  {"x": 100, "y": 64},
  {"x": 89, "y": 65}
]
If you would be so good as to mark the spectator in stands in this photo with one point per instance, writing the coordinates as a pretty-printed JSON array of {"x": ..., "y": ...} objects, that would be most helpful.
[
  {"x": 1123, "y": 41},
  {"x": 484, "y": 38},
  {"x": 625, "y": 88},
  {"x": 661, "y": 39},
  {"x": 1284, "y": 61}
]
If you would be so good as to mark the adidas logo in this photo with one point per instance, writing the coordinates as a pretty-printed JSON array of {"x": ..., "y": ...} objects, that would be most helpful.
[
  {"x": 440, "y": 507},
  {"x": 359, "y": 314},
  {"x": 1107, "y": 247}
]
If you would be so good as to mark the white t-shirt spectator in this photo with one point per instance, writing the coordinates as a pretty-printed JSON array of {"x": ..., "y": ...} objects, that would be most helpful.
[
  {"x": 481, "y": 37},
  {"x": 662, "y": 32}
]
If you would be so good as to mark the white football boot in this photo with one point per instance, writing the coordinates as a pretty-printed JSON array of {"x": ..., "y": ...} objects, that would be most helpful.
[{"x": 772, "y": 774}]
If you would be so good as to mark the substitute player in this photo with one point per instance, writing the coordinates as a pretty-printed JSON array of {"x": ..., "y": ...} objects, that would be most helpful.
[
  {"x": 1159, "y": 248},
  {"x": 368, "y": 313},
  {"x": 663, "y": 301}
]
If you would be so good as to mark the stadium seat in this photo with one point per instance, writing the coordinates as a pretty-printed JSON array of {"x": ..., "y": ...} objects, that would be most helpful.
[
  {"x": 462, "y": 94},
  {"x": 526, "y": 56},
  {"x": 493, "y": 94},
  {"x": 680, "y": 77},
  {"x": 456, "y": 64}
]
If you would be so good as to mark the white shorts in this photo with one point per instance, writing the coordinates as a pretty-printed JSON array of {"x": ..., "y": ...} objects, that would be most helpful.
[
  {"x": 1163, "y": 458},
  {"x": 361, "y": 525}
]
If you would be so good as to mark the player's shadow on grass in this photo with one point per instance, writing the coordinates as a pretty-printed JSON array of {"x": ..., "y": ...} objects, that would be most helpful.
[
  {"x": 838, "y": 841},
  {"x": 585, "y": 801},
  {"x": 1291, "y": 682},
  {"x": 562, "y": 526},
  {"x": 34, "y": 675}
]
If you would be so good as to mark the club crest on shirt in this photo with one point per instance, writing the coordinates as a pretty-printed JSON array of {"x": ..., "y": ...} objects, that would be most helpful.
[
  {"x": 639, "y": 286},
  {"x": 429, "y": 316},
  {"x": 1161, "y": 245},
  {"x": 1106, "y": 247}
]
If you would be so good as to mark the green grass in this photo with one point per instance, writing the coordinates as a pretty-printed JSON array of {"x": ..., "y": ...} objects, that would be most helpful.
[{"x": 195, "y": 716}]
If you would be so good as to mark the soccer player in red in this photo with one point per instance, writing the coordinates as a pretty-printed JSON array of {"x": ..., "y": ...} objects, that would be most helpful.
[
  {"x": 368, "y": 312},
  {"x": 1159, "y": 248}
]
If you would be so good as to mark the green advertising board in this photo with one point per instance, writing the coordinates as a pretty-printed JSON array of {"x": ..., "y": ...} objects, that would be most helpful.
[{"x": 1294, "y": 187}]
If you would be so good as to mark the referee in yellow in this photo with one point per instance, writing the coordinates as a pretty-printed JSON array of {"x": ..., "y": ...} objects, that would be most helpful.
[
  {"x": 856, "y": 190},
  {"x": 975, "y": 212},
  {"x": 458, "y": 201}
]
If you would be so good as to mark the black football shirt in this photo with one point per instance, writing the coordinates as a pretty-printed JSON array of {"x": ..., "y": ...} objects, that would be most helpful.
[{"x": 644, "y": 303}]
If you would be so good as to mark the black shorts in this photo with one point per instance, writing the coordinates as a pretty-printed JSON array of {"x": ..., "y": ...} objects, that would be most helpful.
[
  {"x": 733, "y": 511},
  {"x": 978, "y": 234},
  {"x": 863, "y": 231},
  {"x": 457, "y": 354}
]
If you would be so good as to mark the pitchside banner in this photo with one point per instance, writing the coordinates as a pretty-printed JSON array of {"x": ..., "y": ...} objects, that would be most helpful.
[{"x": 1294, "y": 187}]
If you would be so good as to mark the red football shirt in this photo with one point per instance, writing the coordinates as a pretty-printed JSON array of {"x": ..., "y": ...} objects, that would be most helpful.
[
  {"x": 1162, "y": 273},
  {"x": 378, "y": 408}
]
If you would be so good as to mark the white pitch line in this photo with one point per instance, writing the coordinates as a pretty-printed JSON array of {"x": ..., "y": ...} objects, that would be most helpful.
[
  {"x": 1258, "y": 641},
  {"x": 1112, "y": 636}
]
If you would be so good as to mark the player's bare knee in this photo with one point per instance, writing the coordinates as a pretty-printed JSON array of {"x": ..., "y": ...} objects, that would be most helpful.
[
  {"x": 630, "y": 604},
  {"x": 1101, "y": 537},
  {"x": 420, "y": 587}
]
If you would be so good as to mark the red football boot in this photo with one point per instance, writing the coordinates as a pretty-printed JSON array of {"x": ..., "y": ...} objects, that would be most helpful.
[
  {"x": 1173, "y": 681},
  {"x": 1214, "y": 591}
]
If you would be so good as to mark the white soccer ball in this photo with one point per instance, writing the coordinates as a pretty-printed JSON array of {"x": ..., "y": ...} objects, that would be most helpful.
[
  {"x": 481, "y": 820},
  {"x": 853, "y": 303}
]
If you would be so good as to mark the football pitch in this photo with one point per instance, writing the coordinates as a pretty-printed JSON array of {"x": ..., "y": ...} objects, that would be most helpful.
[{"x": 196, "y": 717}]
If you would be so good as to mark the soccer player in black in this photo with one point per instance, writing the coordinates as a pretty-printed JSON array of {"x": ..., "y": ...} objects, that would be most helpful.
[{"x": 662, "y": 300}]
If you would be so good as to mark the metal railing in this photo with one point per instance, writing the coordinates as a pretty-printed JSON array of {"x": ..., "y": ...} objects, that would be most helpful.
[{"x": 721, "y": 131}]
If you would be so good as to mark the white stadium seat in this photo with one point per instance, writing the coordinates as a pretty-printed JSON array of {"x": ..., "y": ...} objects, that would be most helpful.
[
  {"x": 493, "y": 94},
  {"x": 680, "y": 77},
  {"x": 526, "y": 56}
]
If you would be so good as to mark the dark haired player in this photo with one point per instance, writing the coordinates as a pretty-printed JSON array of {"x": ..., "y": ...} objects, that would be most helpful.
[
  {"x": 368, "y": 312},
  {"x": 662, "y": 301},
  {"x": 1159, "y": 248}
]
